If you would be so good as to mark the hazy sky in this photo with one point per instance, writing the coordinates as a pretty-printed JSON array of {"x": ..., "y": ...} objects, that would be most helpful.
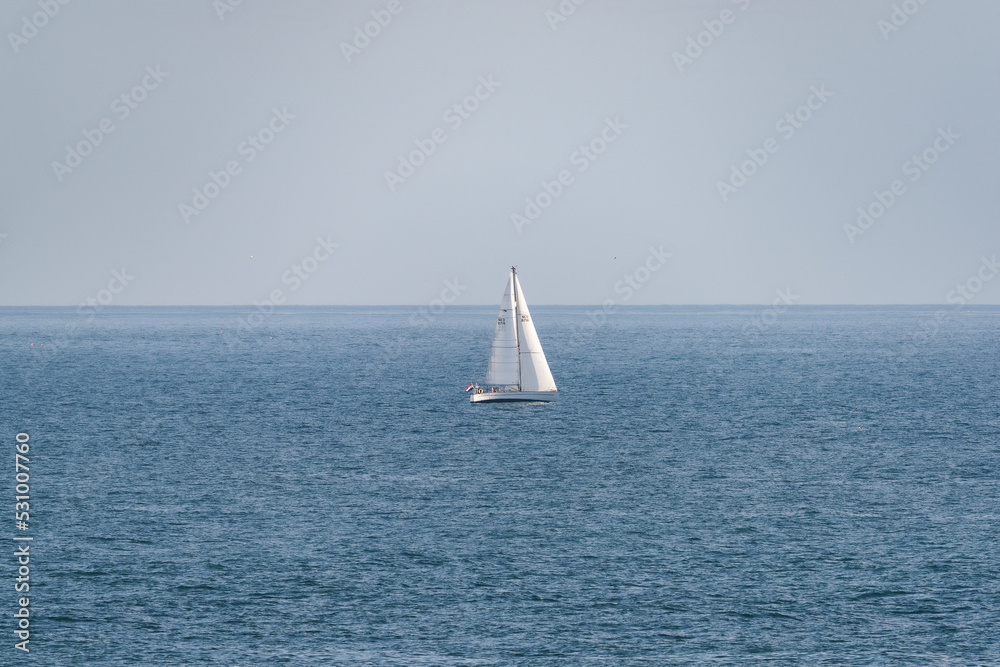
[{"x": 627, "y": 123}]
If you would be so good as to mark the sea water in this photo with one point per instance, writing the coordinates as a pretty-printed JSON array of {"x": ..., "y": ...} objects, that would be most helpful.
[{"x": 312, "y": 486}]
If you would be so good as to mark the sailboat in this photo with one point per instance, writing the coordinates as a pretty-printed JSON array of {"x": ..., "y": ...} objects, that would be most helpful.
[{"x": 517, "y": 369}]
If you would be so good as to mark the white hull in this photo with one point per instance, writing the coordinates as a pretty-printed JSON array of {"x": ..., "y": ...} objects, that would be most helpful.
[{"x": 507, "y": 396}]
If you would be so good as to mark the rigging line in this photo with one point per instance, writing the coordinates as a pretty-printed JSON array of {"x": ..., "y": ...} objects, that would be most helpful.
[{"x": 517, "y": 323}]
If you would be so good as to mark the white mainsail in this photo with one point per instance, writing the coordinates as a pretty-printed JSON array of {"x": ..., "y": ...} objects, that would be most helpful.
[
  {"x": 503, "y": 365},
  {"x": 535, "y": 373}
]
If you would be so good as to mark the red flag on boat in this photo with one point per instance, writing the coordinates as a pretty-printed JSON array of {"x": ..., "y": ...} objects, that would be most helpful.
[{"x": 470, "y": 386}]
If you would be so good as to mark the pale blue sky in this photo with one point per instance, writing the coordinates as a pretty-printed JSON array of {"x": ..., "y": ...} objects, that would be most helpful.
[{"x": 197, "y": 86}]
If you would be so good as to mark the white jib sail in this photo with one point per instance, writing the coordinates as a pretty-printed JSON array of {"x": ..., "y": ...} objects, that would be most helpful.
[
  {"x": 535, "y": 373},
  {"x": 502, "y": 368}
]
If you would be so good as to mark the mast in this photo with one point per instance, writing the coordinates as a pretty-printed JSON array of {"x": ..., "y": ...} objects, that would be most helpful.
[{"x": 517, "y": 319}]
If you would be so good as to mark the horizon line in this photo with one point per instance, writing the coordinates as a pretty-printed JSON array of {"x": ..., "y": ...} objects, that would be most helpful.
[{"x": 493, "y": 305}]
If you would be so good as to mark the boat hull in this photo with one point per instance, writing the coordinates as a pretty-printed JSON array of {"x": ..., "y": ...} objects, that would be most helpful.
[{"x": 515, "y": 396}]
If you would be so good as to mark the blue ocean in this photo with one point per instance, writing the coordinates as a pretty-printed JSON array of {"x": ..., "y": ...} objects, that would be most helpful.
[{"x": 715, "y": 485}]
